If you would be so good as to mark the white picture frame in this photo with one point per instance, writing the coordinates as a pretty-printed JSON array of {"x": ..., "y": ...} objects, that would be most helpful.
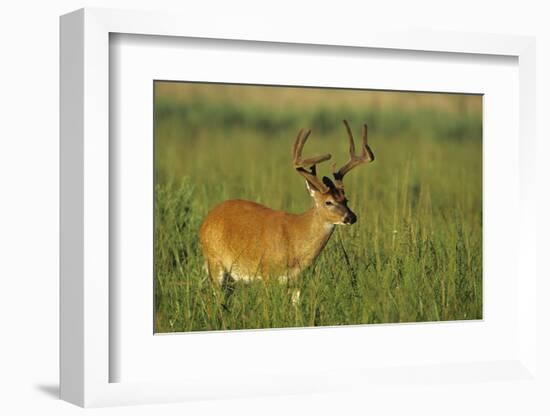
[{"x": 85, "y": 354}]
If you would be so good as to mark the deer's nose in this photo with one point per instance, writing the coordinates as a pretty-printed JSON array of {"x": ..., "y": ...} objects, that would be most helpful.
[{"x": 350, "y": 218}]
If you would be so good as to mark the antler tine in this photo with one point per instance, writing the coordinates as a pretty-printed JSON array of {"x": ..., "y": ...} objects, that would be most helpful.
[
  {"x": 299, "y": 146},
  {"x": 295, "y": 144},
  {"x": 366, "y": 154},
  {"x": 366, "y": 151},
  {"x": 302, "y": 165},
  {"x": 351, "y": 141}
]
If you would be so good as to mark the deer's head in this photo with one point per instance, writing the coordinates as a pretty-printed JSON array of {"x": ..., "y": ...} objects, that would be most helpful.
[{"x": 329, "y": 196}]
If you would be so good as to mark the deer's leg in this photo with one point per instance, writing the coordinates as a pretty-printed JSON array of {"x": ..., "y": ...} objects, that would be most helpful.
[{"x": 215, "y": 272}]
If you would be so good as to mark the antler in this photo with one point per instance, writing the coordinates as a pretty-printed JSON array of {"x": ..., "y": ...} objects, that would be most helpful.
[
  {"x": 301, "y": 165},
  {"x": 366, "y": 155}
]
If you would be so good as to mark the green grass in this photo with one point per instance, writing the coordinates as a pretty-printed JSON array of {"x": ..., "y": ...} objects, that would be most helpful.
[{"x": 415, "y": 253}]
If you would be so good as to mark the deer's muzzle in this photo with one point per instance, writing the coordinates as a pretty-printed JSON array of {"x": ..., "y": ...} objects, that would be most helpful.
[{"x": 350, "y": 218}]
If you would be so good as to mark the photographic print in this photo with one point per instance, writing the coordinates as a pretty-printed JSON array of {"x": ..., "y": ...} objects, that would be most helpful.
[{"x": 281, "y": 207}]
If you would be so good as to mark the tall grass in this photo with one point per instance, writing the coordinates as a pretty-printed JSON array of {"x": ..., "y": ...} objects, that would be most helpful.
[{"x": 415, "y": 253}]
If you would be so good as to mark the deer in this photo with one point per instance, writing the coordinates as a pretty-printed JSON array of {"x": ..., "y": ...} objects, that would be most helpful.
[{"x": 243, "y": 240}]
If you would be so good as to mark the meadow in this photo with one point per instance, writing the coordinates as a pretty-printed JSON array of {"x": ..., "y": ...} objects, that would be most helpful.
[{"x": 415, "y": 253}]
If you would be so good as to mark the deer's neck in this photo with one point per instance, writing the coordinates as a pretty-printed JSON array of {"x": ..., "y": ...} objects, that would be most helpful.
[{"x": 316, "y": 233}]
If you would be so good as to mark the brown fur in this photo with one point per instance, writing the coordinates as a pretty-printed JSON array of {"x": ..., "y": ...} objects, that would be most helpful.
[{"x": 247, "y": 240}]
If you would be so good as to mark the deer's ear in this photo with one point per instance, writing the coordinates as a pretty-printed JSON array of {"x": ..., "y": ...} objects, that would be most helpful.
[
  {"x": 328, "y": 183},
  {"x": 311, "y": 189}
]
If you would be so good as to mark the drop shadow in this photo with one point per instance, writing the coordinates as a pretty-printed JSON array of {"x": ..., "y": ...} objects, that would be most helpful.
[{"x": 51, "y": 390}]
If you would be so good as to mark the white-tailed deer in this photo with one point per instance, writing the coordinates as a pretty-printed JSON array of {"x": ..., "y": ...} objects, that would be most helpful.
[{"x": 244, "y": 240}]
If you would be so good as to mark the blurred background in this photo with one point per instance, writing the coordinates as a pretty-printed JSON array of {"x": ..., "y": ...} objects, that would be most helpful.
[{"x": 216, "y": 133}]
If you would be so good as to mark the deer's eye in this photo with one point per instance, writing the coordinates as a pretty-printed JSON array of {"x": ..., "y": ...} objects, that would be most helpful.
[{"x": 328, "y": 203}]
